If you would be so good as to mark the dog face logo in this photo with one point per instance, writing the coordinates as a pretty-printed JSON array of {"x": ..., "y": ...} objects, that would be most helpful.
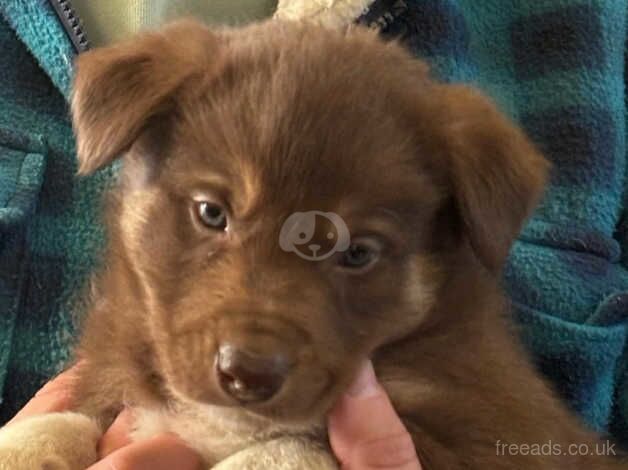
[{"x": 299, "y": 229}]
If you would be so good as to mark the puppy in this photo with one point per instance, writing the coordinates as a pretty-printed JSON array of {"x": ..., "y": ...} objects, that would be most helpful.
[{"x": 292, "y": 201}]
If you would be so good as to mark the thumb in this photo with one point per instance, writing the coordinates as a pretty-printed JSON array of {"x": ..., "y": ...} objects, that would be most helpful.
[{"x": 365, "y": 431}]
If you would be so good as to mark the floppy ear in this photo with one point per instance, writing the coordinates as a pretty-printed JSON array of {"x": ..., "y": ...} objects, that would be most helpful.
[
  {"x": 495, "y": 173},
  {"x": 119, "y": 89}
]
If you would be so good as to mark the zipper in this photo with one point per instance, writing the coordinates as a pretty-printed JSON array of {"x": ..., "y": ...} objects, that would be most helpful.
[{"x": 71, "y": 23}]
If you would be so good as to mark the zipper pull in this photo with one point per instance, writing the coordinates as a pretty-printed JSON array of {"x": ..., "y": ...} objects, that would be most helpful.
[{"x": 71, "y": 23}]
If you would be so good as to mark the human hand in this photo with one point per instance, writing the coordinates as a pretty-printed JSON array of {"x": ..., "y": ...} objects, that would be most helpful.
[
  {"x": 115, "y": 448},
  {"x": 365, "y": 431},
  {"x": 54, "y": 396}
]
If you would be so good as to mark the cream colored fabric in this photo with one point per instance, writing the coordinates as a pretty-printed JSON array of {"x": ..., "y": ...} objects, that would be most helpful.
[
  {"x": 107, "y": 21},
  {"x": 330, "y": 13}
]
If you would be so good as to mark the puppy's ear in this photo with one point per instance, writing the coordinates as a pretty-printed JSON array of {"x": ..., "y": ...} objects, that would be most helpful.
[
  {"x": 119, "y": 89},
  {"x": 495, "y": 173}
]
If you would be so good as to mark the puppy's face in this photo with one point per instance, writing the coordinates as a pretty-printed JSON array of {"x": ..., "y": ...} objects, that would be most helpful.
[{"x": 289, "y": 196}]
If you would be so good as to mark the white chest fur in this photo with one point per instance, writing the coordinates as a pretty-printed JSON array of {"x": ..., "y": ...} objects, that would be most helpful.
[{"x": 215, "y": 432}]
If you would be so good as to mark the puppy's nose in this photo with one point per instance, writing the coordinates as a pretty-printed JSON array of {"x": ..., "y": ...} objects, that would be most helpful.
[
  {"x": 249, "y": 377},
  {"x": 314, "y": 247}
]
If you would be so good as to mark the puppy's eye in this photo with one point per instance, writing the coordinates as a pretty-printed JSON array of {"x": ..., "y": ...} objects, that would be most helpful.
[
  {"x": 212, "y": 215},
  {"x": 360, "y": 255}
]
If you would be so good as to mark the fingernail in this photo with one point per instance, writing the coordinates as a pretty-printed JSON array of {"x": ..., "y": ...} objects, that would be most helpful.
[{"x": 365, "y": 383}]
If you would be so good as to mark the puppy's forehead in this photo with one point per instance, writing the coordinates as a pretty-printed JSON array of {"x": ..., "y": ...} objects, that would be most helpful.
[{"x": 309, "y": 123}]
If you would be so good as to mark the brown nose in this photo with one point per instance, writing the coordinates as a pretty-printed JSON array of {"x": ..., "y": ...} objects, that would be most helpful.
[{"x": 249, "y": 377}]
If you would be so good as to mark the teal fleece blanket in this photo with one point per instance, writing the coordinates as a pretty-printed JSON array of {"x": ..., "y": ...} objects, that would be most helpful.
[{"x": 556, "y": 66}]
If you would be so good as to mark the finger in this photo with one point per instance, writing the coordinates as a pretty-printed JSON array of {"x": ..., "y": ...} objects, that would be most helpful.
[
  {"x": 117, "y": 435},
  {"x": 49, "y": 403},
  {"x": 64, "y": 381},
  {"x": 56, "y": 395},
  {"x": 163, "y": 452},
  {"x": 366, "y": 432}
]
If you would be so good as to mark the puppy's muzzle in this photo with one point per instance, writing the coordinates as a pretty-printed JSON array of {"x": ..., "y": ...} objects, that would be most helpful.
[{"x": 250, "y": 377}]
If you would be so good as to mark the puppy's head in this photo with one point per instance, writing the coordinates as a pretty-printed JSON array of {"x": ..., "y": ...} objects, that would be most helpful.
[{"x": 290, "y": 200}]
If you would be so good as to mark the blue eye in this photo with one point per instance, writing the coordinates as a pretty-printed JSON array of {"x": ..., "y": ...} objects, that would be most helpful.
[{"x": 212, "y": 215}]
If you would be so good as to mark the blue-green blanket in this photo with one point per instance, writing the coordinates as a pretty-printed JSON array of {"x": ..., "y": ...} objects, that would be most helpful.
[{"x": 556, "y": 66}]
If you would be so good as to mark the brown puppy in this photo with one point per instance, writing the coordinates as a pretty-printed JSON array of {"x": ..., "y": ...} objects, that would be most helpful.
[{"x": 210, "y": 314}]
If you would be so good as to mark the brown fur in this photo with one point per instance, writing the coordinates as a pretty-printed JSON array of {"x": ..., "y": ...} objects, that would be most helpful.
[{"x": 278, "y": 118}]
